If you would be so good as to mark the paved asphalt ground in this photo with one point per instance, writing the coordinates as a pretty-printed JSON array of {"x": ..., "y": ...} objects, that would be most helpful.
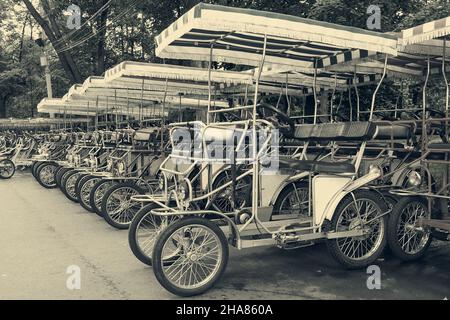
[{"x": 42, "y": 233}]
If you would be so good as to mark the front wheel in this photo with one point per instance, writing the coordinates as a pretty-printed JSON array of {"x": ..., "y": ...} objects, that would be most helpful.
[
  {"x": 190, "y": 256},
  {"x": 117, "y": 208},
  {"x": 96, "y": 195},
  {"x": 366, "y": 211},
  {"x": 84, "y": 191},
  {"x": 45, "y": 175},
  {"x": 144, "y": 230},
  {"x": 7, "y": 169},
  {"x": 407, "y": 241},
  {"x": 69, "y": 185}
]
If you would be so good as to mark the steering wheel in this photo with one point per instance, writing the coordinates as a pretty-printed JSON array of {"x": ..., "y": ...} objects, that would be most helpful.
[{"x": 282, "y": 121}]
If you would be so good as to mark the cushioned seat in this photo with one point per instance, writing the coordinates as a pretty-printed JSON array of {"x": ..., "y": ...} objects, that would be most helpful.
[
  {"x": 316, "y": 166},
  {"x": 333, "y": 167},
  {"x": 296, "y": 164},
  {"x": 439, "y": 146},
  {"x": 394, "y": 131}
]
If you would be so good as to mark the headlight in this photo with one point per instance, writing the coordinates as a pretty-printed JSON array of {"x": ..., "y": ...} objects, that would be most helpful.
[
  {"x": 120, "y": 167},
  {"x": 414, "y": 179},
  {"x": 70, "y": 158}
]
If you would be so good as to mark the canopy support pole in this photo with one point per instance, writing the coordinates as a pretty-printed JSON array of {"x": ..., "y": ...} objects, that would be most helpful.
[
  {"x": 445, "y": 211},
  {"x": 288, "y": 99},
  {"x": 87, "y": 117},
  {"x": 116, "y": 109},
  {"x": 163, "y": 126},
  {"x": 357, "y": 95},
  {"x": 209, "y": 81},
  {"x": 255, "y": 178},
  {"x": 315, "y": 92},
  {"x": 107, "y": 113},
  {"x": 332, "y": 97},
  {"x": 128, "y": 109},
  {"x": 141, "y": 106},
  {"x": 96, "y": 114},
  {"x": 372, "y": 106}
]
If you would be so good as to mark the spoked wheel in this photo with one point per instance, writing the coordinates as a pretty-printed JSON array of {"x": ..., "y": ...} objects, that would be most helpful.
[
  {"x": 64, "y": 176},
  {"x": 45, "y": 175},
  {"x": 117, "y": 207},
  {"x": 59, "y": 174},
  {"x": 84, "y": 191},
  {"x": 7, "y": 169},
  {"x": 69, "y": 185},
  {"x": 96, "y": 196},
  {"x": 190, "y": 256},
  {"x": 293, "y": 200},
  {"x": 144, "y": 230},
  {"x": 407, "y": 241},
  {"x": 363, "y": 213},
  {"x": 34, "y": 167},
  {"x": 224, "y": 201}
]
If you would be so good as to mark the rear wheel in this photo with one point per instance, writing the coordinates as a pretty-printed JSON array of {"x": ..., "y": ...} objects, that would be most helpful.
[
  {"x": 33, "y": 167},
  {"x": 45, "y": 175},
  {"x": 144, "y": 230},
  {"x": 97, "y": 193},
  {"x": 63, "y": 178},
  {"x": 293, "y": 200},
  {"x": 84, "y": 191},
  {"x": 59, "y": 173},
  {"x": 70, "y": 185},
  {"x": 224, "y": 200},
  {"x": 7, "y": 169},
  {"x": 363, "y": 213},
  {"x": 190, "y": 256},
  {"x": 407, "y": 241},
  {"x": 117, "y": 207}
]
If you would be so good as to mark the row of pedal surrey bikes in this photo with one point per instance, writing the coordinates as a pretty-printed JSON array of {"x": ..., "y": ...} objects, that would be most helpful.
[{"x": 252, "y": 175}]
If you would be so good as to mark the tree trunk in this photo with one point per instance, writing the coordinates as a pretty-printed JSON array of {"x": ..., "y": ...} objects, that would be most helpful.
[
  {"x": 101, "y": 25},
  {"x": 64, "y": 57},
  {"x": 22, "y": 38}
]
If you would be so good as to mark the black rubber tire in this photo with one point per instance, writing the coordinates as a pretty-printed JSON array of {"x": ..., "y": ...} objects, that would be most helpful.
[
  {"x": 64, "y": 182},
  {"x": 107, "y": 196},
  {"x": 77, "y": 183},
  {"x": 12, "y": 165},
  {"x": 59, "y": 175},
  {"x": 50, "y": 185},
  {"x": 132, "y": 234},
  {"x": 158, "y": 261},
  {"x": 332, "y": 243},
  {"x": 97, "y": 207},
  {"x": 81, "y": 184},
  {"x": 392, "y": 232},
  {"x": 36, "y": 167},
  {"x": 33, "y": 166}
]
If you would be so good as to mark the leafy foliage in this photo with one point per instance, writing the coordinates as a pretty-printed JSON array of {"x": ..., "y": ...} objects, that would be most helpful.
[{"x": 129, "y": 27}]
